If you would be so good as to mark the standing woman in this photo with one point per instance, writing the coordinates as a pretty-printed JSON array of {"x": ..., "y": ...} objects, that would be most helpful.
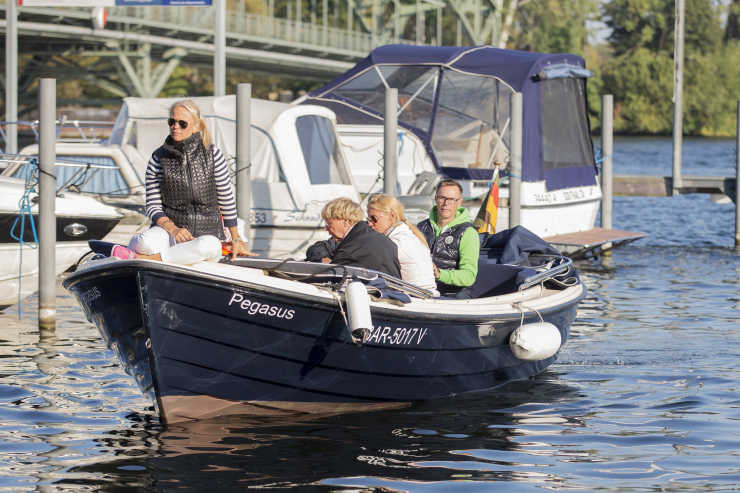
[
  {"x": 188, "y": 188},
  {"x": 386, "y": 215}
]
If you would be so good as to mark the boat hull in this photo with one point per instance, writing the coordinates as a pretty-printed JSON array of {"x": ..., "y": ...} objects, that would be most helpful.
[{"x": 201, "y": 346}]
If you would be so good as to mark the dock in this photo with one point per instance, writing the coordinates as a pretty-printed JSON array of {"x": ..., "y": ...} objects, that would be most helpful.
[
  {"x": 593, "y": 242},
  {"x": 662, "y": 186}
]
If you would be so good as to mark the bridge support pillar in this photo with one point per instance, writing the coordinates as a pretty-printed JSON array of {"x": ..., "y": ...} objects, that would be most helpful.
[{"x": 148, "y": 82}]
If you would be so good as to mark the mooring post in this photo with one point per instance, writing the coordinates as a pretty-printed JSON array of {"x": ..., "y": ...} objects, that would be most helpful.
[
  {"x": 515, "y": 173},
  {"x": 219, "y": 48},
  {"x": 243, "y": 156},
  {"x": 390, "y": 138},
  {"x": 607, "y": 144},
  {"x": 47, "y": 203},
  {"x": 11, "y": 76},
  {"x": 678, "y": 96},
  {"x": 737, "y": 180},
  {"x": 607, "y": 148}
]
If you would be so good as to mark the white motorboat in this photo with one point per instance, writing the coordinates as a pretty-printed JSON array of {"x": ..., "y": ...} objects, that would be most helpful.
[
  {"x": 454, "y": 121},
  {"x": 297, "y": 165},
  {"x": 78, "y": 219}
]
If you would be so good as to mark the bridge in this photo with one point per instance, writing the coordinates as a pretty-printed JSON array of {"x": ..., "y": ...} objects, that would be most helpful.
[{"x": 307, "y": 39}]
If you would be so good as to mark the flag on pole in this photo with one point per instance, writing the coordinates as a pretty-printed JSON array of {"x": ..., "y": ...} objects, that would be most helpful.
[{"x": 485, "y": 220}]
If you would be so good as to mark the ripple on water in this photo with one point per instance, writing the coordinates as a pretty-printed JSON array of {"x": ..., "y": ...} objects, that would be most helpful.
[{"x": 643, "y": 397}]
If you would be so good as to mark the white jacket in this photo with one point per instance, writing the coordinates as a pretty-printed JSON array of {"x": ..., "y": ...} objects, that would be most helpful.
[{"x": 414, "y": 257}]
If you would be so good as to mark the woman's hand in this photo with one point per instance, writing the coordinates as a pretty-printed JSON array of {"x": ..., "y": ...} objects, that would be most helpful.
[
  {"x": 238, "y": 247},
  {"x": 181, "y": 235}
]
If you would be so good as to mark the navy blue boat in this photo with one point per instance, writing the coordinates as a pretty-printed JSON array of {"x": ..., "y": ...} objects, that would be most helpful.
[{"x": 262, "y": 336}]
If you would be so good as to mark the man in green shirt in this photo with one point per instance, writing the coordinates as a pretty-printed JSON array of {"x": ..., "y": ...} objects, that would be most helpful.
[{"x": 453, "y": 241}]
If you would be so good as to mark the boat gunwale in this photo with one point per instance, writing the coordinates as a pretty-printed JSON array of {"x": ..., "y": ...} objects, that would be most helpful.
[{"x": 527, "y": 302}]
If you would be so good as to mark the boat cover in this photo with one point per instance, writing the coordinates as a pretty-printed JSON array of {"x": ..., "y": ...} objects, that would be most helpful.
[
  {"x": 503, "y": 258},
  {"x": 457, "y": 100},
  {"x": 513, "y": 246}
]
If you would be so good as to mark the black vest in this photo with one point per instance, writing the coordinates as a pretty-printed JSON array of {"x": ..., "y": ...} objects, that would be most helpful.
[
  {"x": 188, "y": 186},
  {"x": 445, "y": 248}
]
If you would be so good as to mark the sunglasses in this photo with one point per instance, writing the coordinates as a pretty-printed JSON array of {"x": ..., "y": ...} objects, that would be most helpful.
[{"x": 183, "y": 124}]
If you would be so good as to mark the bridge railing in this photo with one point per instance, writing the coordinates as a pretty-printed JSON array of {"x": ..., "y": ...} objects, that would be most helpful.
[{"x": 251, "y": 27}]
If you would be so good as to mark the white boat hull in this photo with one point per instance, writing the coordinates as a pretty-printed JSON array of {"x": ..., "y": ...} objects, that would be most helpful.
[{"x": 27, "y": 276}]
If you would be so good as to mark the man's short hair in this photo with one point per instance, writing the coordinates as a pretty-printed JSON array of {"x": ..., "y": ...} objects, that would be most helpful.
[{"x": 448, "y": 183}]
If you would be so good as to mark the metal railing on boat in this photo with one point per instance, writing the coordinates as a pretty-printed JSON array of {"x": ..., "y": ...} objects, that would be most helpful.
[
  {"x": 563, "y": 267},
  {"x": 71, "y": 182}
]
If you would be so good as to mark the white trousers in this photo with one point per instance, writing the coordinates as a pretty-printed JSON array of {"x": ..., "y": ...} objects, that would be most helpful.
[
  {"x": 152, "y": 241},
  {"x": 157, "y": 240}
]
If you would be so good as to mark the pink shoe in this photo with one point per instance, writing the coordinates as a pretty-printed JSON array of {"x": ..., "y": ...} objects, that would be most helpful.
[{"x": 122, "y": 252}]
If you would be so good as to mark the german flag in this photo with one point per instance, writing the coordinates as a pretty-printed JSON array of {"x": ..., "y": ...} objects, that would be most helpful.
[{"x": 485, "y": 220}]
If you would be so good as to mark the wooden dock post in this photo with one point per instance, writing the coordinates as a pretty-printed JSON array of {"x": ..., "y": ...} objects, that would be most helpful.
[
  {"x": 47, "y": 204},
  {"x": 243, "y": 155},
  {"x": 390, "y": 141}
]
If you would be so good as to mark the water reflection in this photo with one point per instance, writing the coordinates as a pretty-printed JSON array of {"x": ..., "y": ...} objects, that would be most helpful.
[{"x": 425, "y": 443}]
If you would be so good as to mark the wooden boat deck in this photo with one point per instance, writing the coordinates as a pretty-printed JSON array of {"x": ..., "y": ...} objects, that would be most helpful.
[{"x": 592, "y": 242}]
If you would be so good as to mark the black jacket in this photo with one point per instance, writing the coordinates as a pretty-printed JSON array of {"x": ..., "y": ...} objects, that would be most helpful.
[{"x": 364, "y": 247}]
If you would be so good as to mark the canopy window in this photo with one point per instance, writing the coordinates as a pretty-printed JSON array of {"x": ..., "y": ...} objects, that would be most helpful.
[
  {"x": 565, "y": 134},
  {"x": 472, "y": 125},
  {"x": 320, "y": 150},
  {"x": 415, "y": 84}
]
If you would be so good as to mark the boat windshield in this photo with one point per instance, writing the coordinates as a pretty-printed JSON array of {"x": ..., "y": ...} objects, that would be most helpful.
[
  {"x": 320, "y": 149},
  {"x": 88, "y": 174},
  {"x": 119, "y": 127}
]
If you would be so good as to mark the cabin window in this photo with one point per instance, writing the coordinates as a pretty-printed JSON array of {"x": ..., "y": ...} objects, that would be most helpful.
[
  {"x": 107, "y": 181},
  {"x": 565, "y": 134},
  {"x": 320, "y": 149},
  {"x": 473, "y": 122}
]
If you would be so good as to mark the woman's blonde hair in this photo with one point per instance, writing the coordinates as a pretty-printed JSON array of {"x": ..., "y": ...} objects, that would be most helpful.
[
  {"x": 343, "y": 208},
  {"x": 192, "y": 108},
  {"x": 389, "y": 203}
]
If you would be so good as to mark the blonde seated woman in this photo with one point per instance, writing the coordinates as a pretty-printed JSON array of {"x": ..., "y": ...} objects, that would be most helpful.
[
  {"x": 386, "y": 215},
  {"x": 188, "y": 195}
]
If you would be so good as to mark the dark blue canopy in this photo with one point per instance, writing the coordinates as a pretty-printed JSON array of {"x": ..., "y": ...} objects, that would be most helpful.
[{"x": 469, "y": 102}]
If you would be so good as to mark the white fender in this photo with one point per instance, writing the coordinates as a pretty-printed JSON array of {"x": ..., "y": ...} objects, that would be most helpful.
[
  {"x": 358, "y": 308},
  {"x": 204, "y": 247},
  {"x": 534, "y": 342}
]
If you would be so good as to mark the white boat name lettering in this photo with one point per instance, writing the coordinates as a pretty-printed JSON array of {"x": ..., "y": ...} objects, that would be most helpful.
[
  {"x": 255, "y": 307},
  {"x": 401, "y": 335}
]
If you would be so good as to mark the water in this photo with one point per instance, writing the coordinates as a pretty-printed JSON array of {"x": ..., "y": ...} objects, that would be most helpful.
[{"x": 644, "y": 397}]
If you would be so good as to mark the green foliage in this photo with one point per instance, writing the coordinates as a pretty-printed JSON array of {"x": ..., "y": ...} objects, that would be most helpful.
[
  {"x": 650, "y": 24},
  {"x": 553, "y": 26},
  {"x": 640, "y": 74}
]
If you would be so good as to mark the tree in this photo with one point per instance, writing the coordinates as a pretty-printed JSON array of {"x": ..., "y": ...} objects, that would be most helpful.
[
  {"x": 553, "y": 26},
  {"x": 640, "y": 75}
]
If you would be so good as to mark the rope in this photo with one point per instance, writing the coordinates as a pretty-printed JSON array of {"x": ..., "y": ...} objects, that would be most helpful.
[
  {"x": 24, "y": 206},
  {"x": 519, "y": 306}
]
